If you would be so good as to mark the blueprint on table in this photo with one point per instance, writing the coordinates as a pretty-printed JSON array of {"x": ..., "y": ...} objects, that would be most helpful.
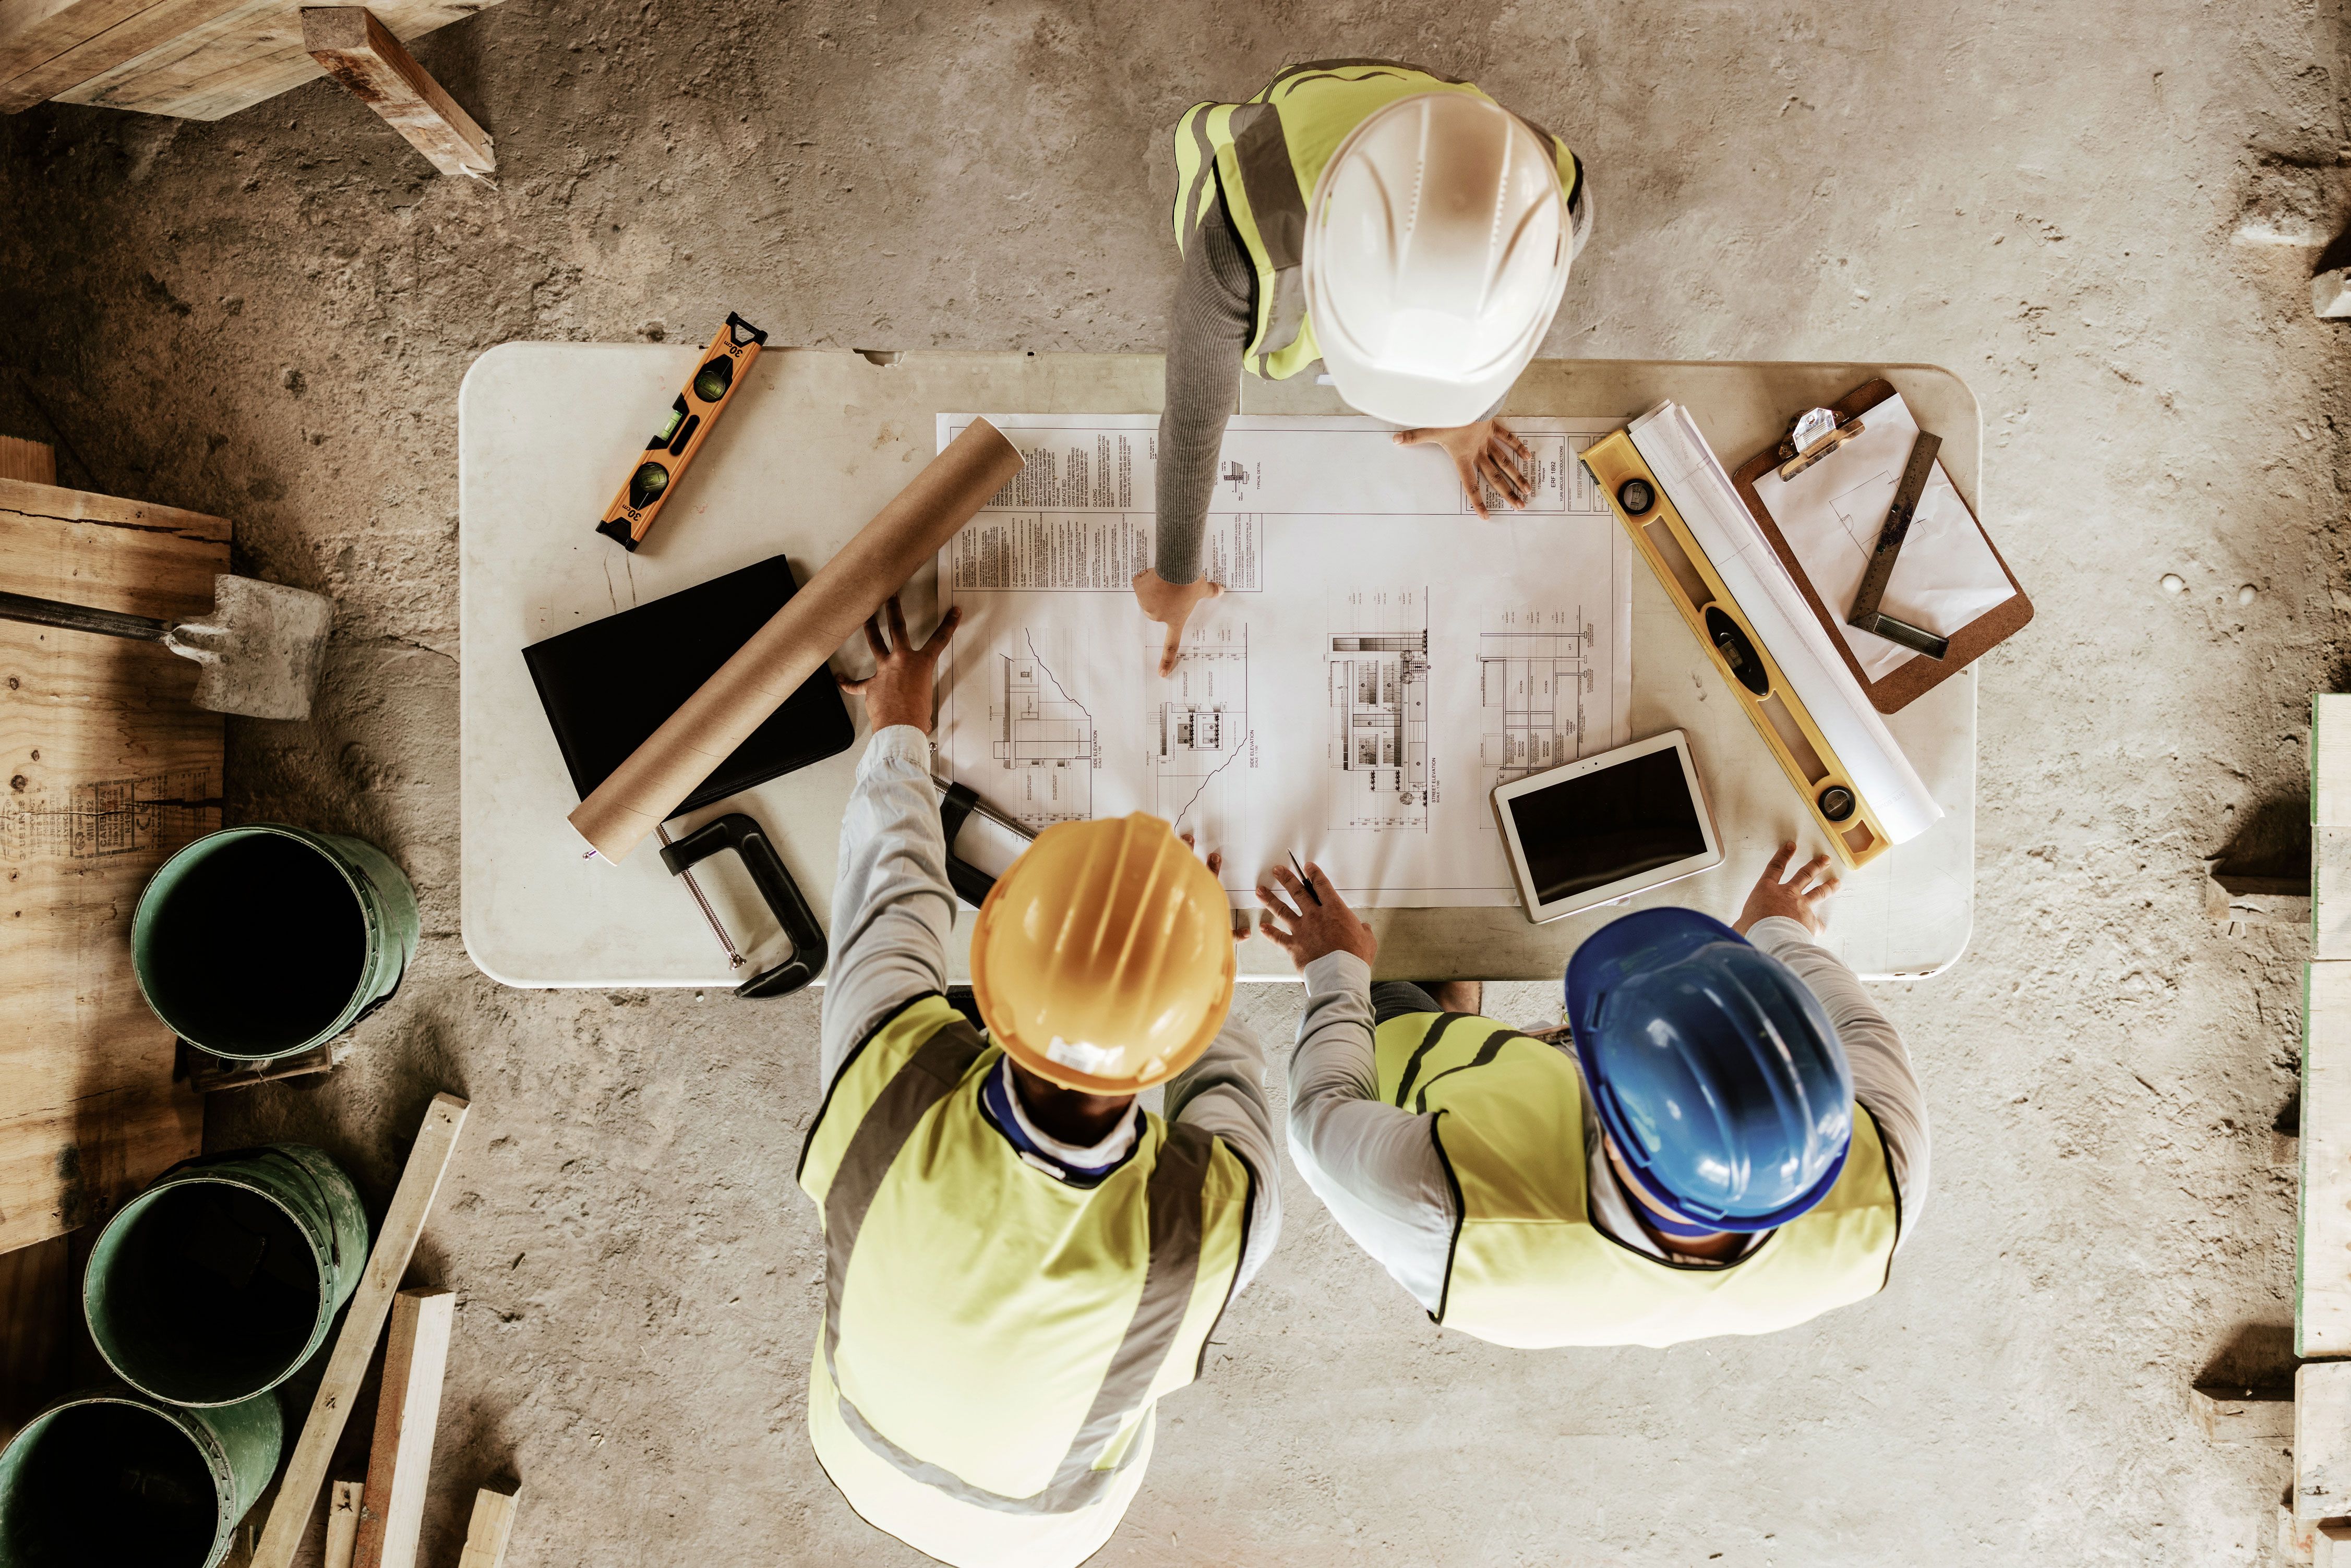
[{"x": 1381, "y": 659}]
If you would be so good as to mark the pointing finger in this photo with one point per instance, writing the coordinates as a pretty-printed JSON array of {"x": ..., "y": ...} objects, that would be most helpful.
[{"x": 1175, "y": 649}]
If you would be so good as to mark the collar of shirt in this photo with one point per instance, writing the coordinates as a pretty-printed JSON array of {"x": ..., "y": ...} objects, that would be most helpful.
[
  {"x": 1062, "y": 1161},
  {"x": 1615, "y": 1210}
]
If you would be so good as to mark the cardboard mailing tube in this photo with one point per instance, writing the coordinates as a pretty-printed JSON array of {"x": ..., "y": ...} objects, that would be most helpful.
[{"x": 643, "y": 792}]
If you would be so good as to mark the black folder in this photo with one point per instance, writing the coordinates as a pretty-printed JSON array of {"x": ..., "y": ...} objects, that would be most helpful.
[{"x": 609, "y": 684}]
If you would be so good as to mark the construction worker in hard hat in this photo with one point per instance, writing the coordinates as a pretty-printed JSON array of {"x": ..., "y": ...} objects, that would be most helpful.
[
  {"x": 1733, "y": 1142},
  {"x": 1020, "y": 1259},
  {"x": 1397, "y": 228}
]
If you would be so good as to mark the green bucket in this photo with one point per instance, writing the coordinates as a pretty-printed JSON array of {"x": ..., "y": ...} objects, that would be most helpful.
[
  {"x": 108, "y": 1478},
  {"x": 264, "y": 941},
  {"x": 221, "y": 1279}
]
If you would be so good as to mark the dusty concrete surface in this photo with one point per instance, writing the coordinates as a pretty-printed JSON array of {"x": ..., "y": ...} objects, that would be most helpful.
[{"x": 2105, "y": 215}]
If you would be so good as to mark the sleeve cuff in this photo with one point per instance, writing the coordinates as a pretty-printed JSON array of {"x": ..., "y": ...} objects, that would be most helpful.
[
  {"x": 899, "y": 745},
  {"x": 1338, "y": 972},
  {"x": 1775, "y": 933}
]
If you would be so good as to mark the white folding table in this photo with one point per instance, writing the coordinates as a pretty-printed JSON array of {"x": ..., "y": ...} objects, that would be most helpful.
[{"x": 812, "y": 446}]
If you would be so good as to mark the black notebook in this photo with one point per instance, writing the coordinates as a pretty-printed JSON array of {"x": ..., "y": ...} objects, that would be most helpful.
[{"x": 609, "y": 684}]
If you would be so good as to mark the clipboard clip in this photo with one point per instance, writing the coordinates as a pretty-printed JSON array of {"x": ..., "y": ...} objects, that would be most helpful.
[{"x": 1812, "y": 435}]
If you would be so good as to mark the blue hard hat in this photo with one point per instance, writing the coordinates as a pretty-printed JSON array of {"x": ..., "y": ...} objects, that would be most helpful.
[{"x": 1712, "y": 1067}]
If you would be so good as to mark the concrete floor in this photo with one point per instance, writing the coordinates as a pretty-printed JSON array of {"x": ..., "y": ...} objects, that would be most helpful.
[{"x": 2105, "y": 217}]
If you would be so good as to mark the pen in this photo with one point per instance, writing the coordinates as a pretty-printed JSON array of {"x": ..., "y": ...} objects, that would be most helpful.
[{"x": 1304, "y": 881}]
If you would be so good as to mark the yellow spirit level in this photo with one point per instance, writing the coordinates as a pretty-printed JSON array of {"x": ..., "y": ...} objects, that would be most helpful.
[
  {"x": 707, "y": 392},
  {"x": 1853, "y": 828}
]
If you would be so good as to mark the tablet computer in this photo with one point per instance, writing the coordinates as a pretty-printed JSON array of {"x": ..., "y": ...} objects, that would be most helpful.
[{"x": 1599, "y": 829}]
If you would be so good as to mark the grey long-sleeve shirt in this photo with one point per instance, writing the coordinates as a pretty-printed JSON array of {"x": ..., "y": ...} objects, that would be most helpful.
[
  {"x": 892, "y": 912},
  {"x": 1376, "y": 1167},
  {"x": 1208, "y": 329}
]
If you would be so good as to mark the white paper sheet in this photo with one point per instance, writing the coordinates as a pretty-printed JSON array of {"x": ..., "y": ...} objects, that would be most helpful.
[
  {"x": 1831, "y": 514},
  {"x": 1381, "y": 659}
]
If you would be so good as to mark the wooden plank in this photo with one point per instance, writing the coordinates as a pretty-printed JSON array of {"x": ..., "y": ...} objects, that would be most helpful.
[
  {"x": 2330, "y": 893},
  {"x": 371, "y": 65},
  {"x": 2231, "y": 1414},
  {"x": 2330, "y": 760},
  {"x": 492, "y": 1529},
  {"x": 132, "y": 32},
  {"x": 35, "y": 32},
  {"x": 2322, "y": 1440},
  {"x": 105, "y": 768},
  {"x": 244, "y": 52},
  {"x": 342, "y": 1523},
  {"x": 407, "y": 1414},
  {"x": 38, "y": 1314},
  {"x": 2321, "y": 1310},
  {"x": 395, "y": 1244},
  {"x": 31, "y": 461}
]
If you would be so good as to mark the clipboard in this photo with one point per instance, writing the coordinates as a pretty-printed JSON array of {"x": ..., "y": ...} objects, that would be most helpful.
[{"x": 1918, "y": 675}]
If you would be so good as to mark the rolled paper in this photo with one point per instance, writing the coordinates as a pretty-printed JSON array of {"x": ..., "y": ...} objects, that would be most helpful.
[{"x": 675, "y": 758}]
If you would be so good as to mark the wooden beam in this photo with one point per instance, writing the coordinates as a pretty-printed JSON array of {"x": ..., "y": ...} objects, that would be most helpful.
[
  {"x": 2322, "y": 1440},
  {"x": 33, "y": 462},
  {"x": 493, "y": 1521},
  {"x": 2235, "y": 1414},
  {"x": 343, "y": 1523},
  {"x": 2330, "y": 759},
  {"x": 395, "y": 1244},
  {"x": 2331, "y": 1544},
  {"x": 2322, "y": 1265},
  {"x": 356, "y": 50},
  {"x": 407, "y": 1414},
  {"x": 123, "y": 31}
]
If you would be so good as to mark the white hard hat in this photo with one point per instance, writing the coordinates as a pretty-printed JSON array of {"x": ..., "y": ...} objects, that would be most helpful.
[{"x": 1437, "y": 249}]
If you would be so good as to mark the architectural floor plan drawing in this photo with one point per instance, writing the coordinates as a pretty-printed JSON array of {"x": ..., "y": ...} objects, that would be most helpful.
[
  {"x": 1378, "y": 754},
  {"x": 1381, "y": 656},
  {"x": 1197, "y": 729},
  {"x": 1533, "y": 686},
  {"x": 1043, "y": 746}
]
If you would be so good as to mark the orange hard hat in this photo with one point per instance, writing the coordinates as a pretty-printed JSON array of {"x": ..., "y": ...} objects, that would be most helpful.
[{"x": 1103, "y": 959}]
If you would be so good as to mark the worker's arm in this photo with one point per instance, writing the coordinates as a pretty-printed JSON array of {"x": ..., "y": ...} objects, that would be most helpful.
[
  {"x": 1782, "y": 918},
  {"x": 892, "y": 905},
  {"x": 1375, "y": 1166},
  {"x": 1208, "y": 326},
  {"x": 1223, "y": 1094}
]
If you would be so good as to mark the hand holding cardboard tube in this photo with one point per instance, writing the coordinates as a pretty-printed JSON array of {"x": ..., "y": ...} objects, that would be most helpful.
[{"x": 643, "y": 790}]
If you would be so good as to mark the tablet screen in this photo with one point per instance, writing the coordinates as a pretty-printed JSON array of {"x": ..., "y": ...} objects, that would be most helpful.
[{"x": 1605, "y": 826}]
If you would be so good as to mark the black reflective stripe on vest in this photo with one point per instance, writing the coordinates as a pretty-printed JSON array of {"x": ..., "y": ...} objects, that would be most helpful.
[
  {"x": 1486, "y": 1053},
  {"x": 1262, "y": 152},
  {"x": 1175, "y": 1205},
  {"x": 1188, "y": 197},
  {"x": 1427, "y": 1043}
]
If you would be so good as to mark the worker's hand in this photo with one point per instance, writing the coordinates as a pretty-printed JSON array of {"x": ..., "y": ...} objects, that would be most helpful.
[
  {"x": 1802, "y": 898},
  {"x": 899, "y": 689},
  {"x": 1307, "y": 930},
  {"x": 1481, "y": 450},
  {"x": 1171, "y": 604},
  {"x": 1240, "y": 925}
]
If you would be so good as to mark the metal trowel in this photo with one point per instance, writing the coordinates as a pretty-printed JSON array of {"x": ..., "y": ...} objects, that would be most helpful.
[{"x": 260, "y": 648}]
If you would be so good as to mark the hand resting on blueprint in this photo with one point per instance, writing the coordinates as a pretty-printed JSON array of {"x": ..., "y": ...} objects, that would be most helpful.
[
  {"x": 899, "y": 689},
  {"x": 1311, "y": 925},
  {"x": 1484, "y": 451}
]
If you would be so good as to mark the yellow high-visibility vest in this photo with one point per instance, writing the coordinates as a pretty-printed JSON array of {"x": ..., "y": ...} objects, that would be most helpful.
[
  {"x": 1530, "y": 1268},
  {"x": 1264, "y": 156},
  {"x": 995, "y": 1339}
]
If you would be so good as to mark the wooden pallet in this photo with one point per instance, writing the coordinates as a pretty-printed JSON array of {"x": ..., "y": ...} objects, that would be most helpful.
[{"x": 105, "y": 768}]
